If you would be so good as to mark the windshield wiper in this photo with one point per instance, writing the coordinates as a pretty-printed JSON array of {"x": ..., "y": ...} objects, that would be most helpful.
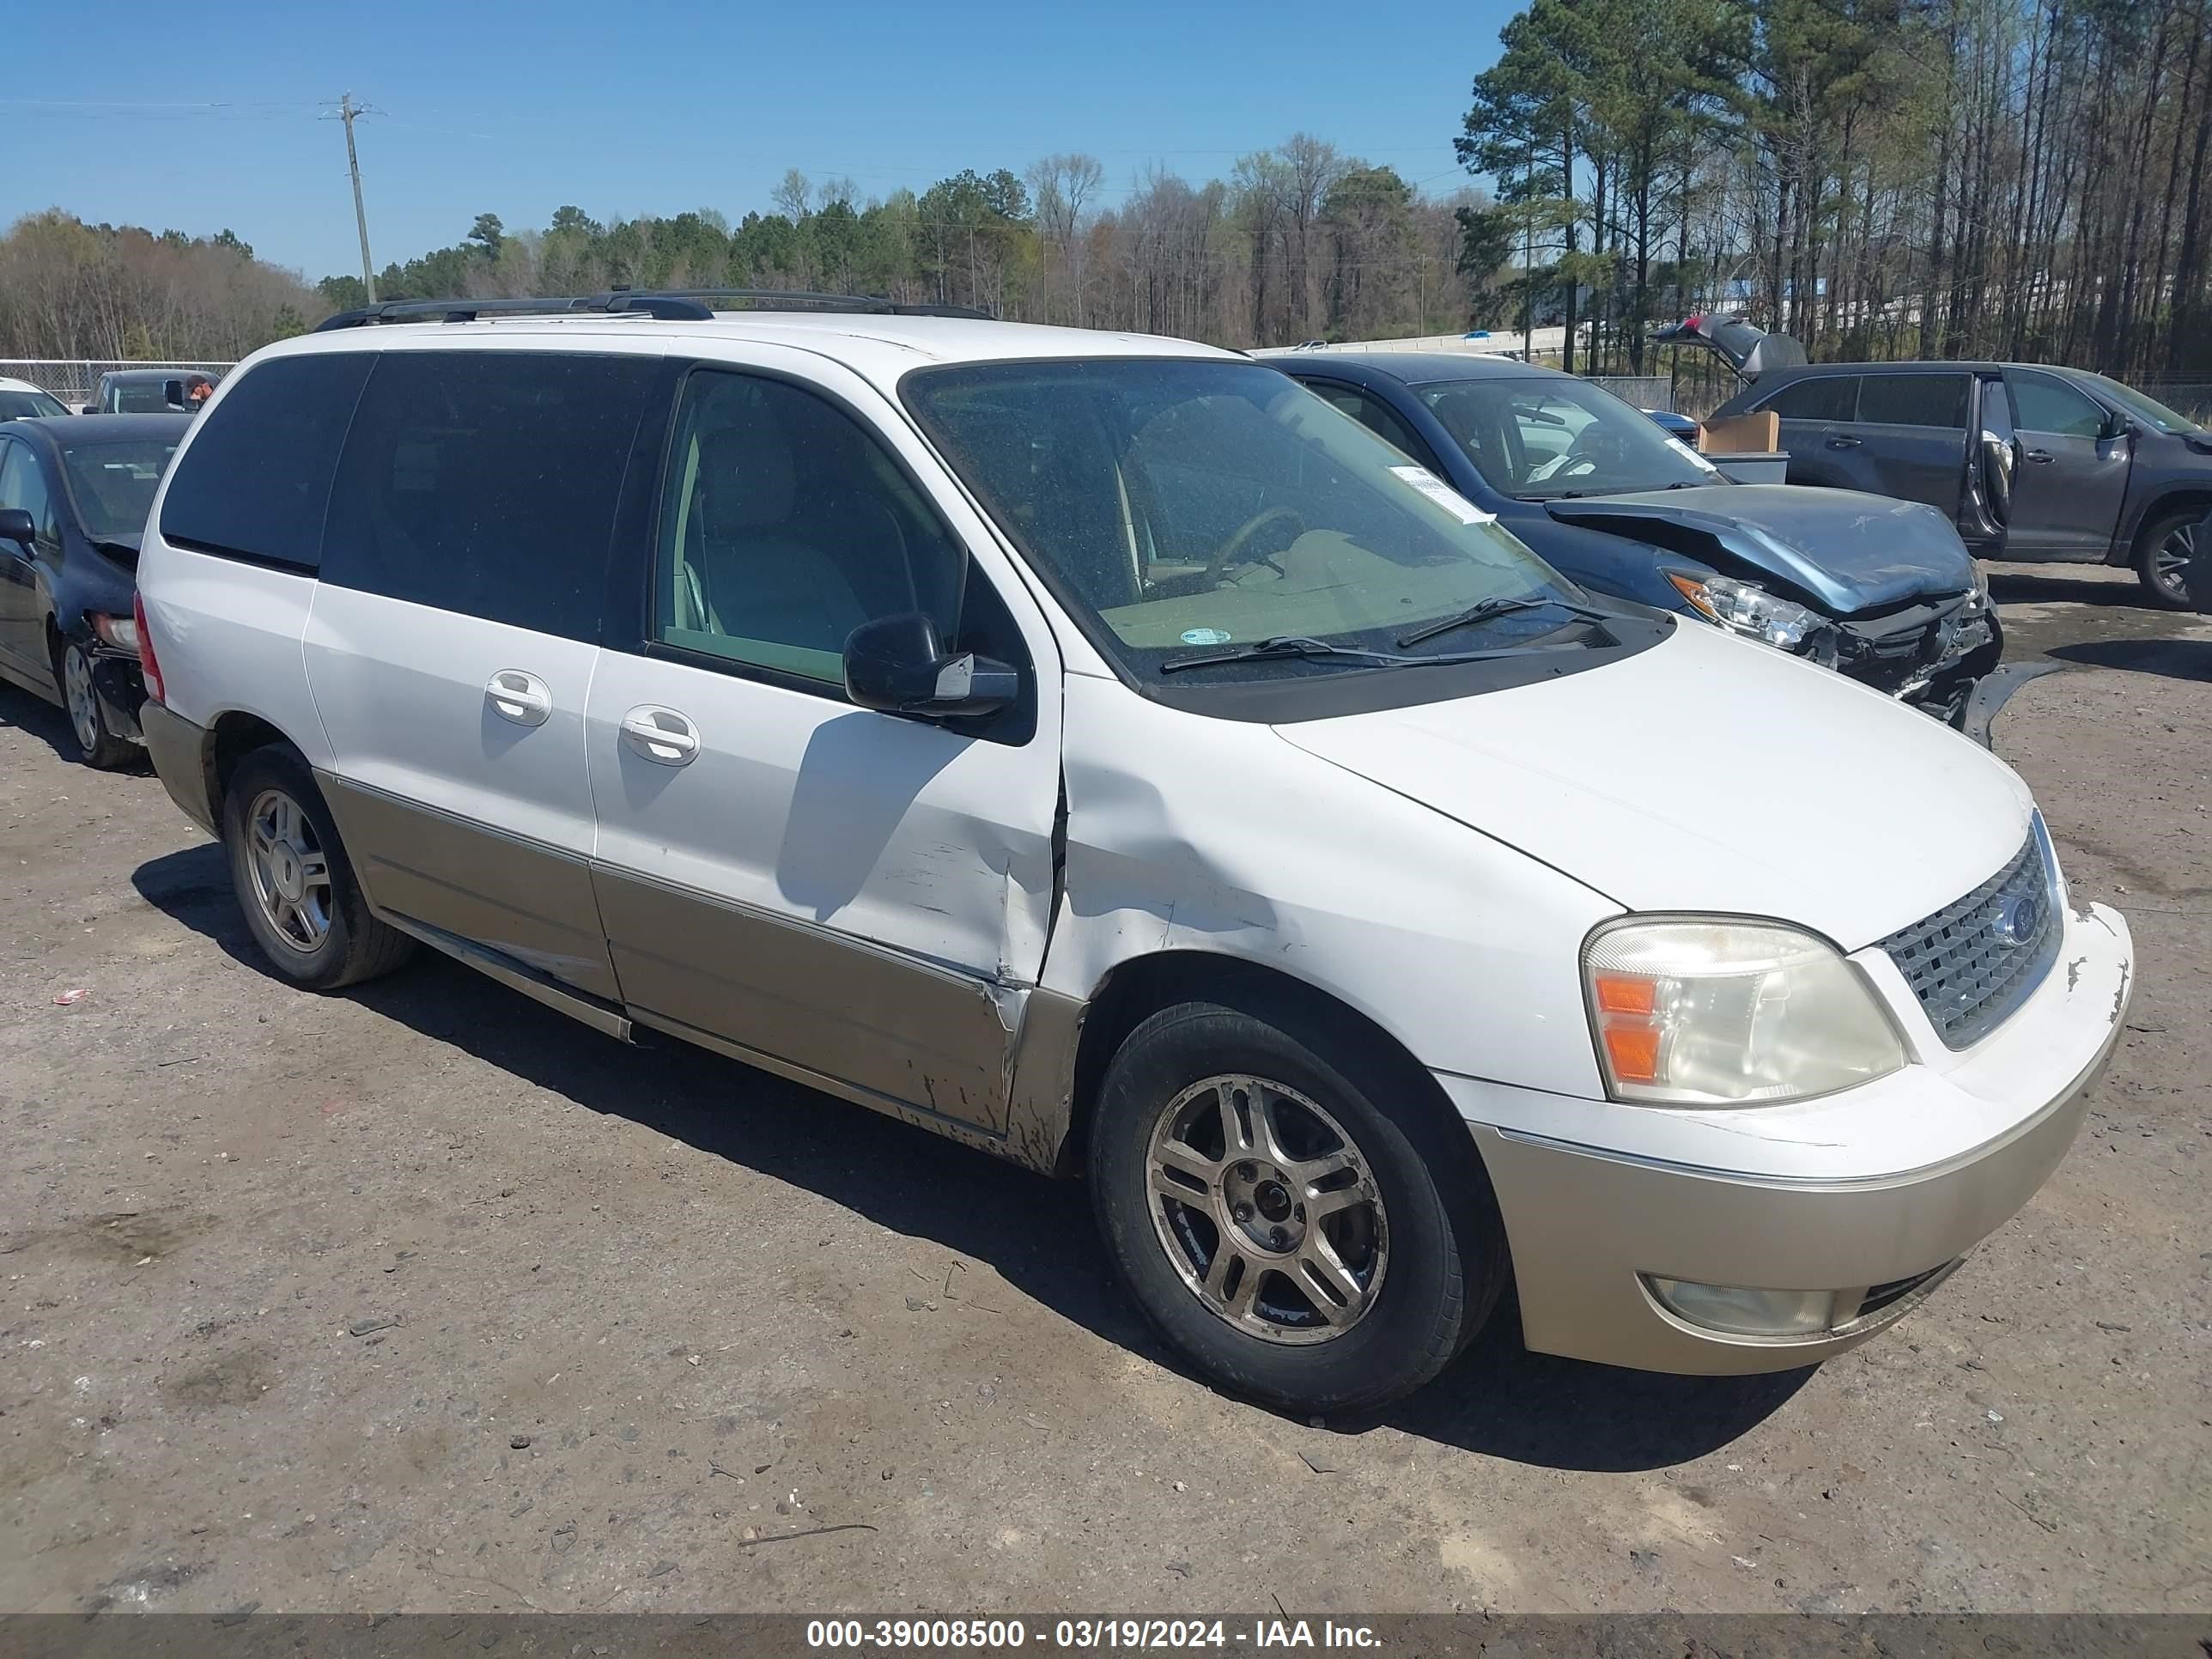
[
  {"x": 1280, "y": 645},
  {"x": 1297, "y": 648},
  {"x": 1489, "y": 607}
]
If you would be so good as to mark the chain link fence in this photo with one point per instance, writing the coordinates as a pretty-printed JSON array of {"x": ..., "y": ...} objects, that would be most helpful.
[
  {"x": 72, "y": 379},
  {"x": 2189, "y": 394}
]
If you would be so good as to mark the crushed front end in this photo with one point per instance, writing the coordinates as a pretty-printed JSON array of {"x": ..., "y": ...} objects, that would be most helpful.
[{"x": 1930, "y": 653}]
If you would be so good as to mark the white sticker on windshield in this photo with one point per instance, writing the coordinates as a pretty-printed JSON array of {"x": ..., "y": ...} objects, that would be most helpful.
[
  {"x": 1693, "y": 454},
  {"x": 1443, "y": 494}
]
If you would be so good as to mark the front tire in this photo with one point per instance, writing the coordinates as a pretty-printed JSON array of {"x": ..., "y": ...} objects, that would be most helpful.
[
  {"x": 295, "y": 882},
  {"x": 97, "y": 745},
  {"x": 1287, "y": 1215},
  {"x": 2163, "y": 556}
]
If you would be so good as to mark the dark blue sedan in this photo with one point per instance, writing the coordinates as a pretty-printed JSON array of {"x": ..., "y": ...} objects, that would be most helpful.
[
  {"x": 1882, "y": 590},
  {"x": 74, "y": 494}
]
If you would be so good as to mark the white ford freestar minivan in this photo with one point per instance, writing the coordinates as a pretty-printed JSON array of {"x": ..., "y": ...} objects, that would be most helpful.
[{"x": 1103, "y": 751}]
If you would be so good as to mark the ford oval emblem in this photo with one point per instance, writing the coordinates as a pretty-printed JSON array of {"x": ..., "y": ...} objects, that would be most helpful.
[{"x": 2018, "y": 918}]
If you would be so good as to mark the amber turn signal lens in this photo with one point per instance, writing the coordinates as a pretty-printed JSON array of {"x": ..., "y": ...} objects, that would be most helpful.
[
  {"x": 1634, "y": 1052},
  {"x": 1625, "y": 993}
]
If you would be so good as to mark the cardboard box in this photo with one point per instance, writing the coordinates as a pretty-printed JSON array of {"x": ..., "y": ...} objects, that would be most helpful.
[{"x": 1739, "y": 434}]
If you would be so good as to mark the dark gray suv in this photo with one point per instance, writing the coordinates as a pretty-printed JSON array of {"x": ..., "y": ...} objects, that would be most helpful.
[{"x": 2032, "y": 462}]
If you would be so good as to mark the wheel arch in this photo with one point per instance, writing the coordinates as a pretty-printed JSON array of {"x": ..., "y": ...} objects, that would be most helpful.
[
  {"x": 2180, "y": 498},
  {"x": 1139, "y": 986},
  {"x": 231, "y": 737}
]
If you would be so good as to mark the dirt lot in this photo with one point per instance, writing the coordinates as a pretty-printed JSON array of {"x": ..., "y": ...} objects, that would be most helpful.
[{"x": 422, "y": 1297}]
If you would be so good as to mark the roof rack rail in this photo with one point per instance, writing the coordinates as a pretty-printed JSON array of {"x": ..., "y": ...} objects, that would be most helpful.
[
  {"x": 688, "y": 304},
  {"x": 468, "y": 311},
  {"x": 776, "y": 299}
]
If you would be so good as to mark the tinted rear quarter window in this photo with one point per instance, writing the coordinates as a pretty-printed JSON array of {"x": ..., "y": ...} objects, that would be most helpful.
[
  {"x": 1937, "y": 400},
  {"x": 255, "y": 480},
  {"x": 1819, "y": 398},
  {"x": 485, "y": 482}
]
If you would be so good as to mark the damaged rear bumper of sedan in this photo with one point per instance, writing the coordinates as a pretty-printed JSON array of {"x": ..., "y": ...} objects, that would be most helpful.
[{"x": 120, "y": 683}]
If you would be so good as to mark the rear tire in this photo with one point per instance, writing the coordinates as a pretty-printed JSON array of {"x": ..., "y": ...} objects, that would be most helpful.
[
  {"x": 97, "y": 746},
  {"x": 294, "y": 880},
  {"x": 1365, "y": 1249},
  {"x": 2163, "y": 556}
]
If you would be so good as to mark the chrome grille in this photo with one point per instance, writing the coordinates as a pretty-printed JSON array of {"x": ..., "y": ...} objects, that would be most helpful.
[{"x": 1978, "y": 959}]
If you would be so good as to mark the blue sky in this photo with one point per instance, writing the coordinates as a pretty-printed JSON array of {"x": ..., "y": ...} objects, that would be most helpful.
[{"x": 199, "y": 115}]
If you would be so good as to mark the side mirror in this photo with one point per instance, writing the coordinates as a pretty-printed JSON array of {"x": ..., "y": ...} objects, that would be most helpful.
[
  {"x": 2116, "y": 426},
  {"x": 15, "y": 525},
  {"x": 897, "y": 665}
]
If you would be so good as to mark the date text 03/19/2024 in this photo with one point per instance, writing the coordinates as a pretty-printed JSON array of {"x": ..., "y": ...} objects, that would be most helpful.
[{"x": 1109, "y": 1634}]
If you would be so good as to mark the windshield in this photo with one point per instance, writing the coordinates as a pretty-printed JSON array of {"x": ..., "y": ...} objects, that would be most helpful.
[
  {"x": 2143, "y": 408},
  {"x": 1544, "y": 436},
  {"x": 29, "y": 405},
  {"x": 113, "y": 483},
  {"x": 1191, "y": 506}
]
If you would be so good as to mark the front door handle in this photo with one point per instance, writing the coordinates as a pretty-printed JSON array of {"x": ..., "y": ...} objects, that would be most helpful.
[
  {"x": 517, "y": 695},
  {"x": 1844, "y": 443},
  {"x": 2042, "y": 457},
  {"x": 661, "y": 735}
]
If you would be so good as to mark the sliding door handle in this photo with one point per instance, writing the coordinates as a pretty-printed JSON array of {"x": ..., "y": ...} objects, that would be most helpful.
[
  {"x": 660, "y": 735},
  {"x": 514, "y": 695}
]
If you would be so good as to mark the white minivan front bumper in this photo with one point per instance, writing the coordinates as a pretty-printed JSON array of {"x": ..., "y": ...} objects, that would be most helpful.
[{"x": 1869, "y": 1196}]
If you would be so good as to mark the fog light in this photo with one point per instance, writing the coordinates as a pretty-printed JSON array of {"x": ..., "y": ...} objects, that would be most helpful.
[{"x": 1743, "y": 1312}]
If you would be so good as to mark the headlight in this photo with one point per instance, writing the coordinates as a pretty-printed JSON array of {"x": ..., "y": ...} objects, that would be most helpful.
[
  {"x": 1977, "y": 596},
  {"x": 1723, "y": 1013},
  {"x": 1747, "y": 608}
]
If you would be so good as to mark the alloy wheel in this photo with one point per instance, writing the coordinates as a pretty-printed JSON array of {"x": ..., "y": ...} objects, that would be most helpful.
[
  {"x": 291, "y": 873},
  {"x": 1267, "y": 1210},
  {"x": 2169, "y": 567},
  {"x": 82, "y": 700}
]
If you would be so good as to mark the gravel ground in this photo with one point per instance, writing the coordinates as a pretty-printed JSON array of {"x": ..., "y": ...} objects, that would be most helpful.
[{"x": 422, "y": 1297}]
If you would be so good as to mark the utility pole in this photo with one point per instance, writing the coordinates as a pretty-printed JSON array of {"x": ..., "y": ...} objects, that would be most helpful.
[
  {"x": 347, "y": 112},
  {"x": 1527, "y": 255}
]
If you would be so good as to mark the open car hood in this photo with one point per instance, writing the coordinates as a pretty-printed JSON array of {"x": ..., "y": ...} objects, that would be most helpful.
[
  {"x": 1707, "y": 774},
  {"x": 1747, "y": 348},
  {"x": 1845, "y": 550}
]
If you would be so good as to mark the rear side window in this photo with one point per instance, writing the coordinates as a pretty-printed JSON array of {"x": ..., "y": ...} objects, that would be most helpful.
[
  {"x": 484, "y": 483},
  {"x": 256, "y": 477},
  {"x": 1938, "y": 400},
  {"x": 1823, "y": 398}
]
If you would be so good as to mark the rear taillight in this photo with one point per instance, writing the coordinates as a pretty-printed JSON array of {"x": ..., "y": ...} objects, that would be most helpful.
[{"x": 149, "y": 669}]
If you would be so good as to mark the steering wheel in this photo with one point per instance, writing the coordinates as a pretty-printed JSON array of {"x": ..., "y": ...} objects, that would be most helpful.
[
  {"x": 1592, "y": 449},
  {"x": 1225, "y": 554}
]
